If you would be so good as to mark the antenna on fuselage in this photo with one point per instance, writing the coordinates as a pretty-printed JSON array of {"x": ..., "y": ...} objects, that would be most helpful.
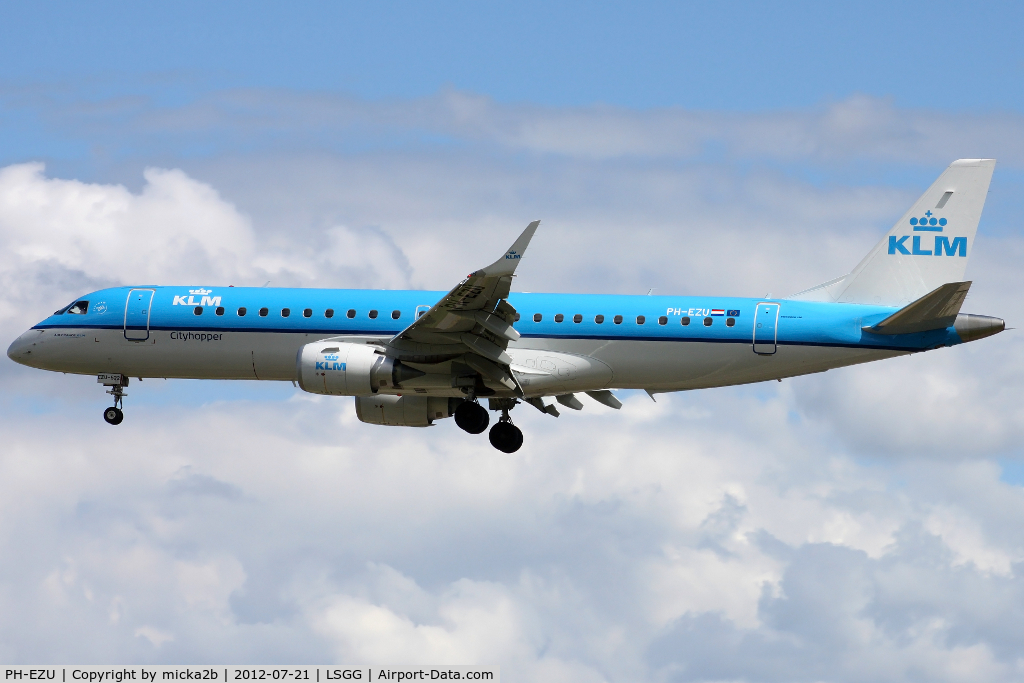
[{"x": 267, "y": 283}]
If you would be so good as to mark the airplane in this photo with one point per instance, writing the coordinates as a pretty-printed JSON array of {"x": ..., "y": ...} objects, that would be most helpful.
[{"x": 410, "y": 358}]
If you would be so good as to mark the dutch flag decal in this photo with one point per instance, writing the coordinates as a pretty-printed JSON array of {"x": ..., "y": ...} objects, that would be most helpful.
[{"x": 717, "y": 311}]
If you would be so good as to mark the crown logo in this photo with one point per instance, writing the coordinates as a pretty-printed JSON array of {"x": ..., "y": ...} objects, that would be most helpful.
[
  {"x": 928, "y": 223},
  {"x": 200, "y": 291}
]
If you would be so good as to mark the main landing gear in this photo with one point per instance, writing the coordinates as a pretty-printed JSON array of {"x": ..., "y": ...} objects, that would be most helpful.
[
  {"x": 114, "y": 415},
  {"x": 505, "y": 436},
  {"x": 472, "y": 417}
]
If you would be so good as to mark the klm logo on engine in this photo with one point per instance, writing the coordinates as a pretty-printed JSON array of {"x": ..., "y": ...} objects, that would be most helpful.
[
  {"x": 330, "y": 363},
  {"x": 941, "y": 246},
  {"x": 204, "y": 300}
]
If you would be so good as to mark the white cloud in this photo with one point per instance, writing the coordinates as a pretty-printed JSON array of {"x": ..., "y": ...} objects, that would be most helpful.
[{"x": 847, "y": 526}]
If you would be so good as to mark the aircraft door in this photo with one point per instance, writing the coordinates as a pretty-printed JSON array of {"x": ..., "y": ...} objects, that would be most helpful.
[
  {"x": 766, "y": 319},
  {"x": 137, "y": 313}
]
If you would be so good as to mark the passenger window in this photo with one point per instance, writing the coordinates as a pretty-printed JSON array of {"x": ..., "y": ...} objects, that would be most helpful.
[
  {"x": 537, "y": 317},
  {"x": 577, "y": 318},
  {"x": 285, "y": 312},
  {"x": 373, "y": 313},
  {"x": 598, "y": 319},
  {"x": 329, "y": 313},
  {"x": 559, "y": 317},
  {"x": 263, "y": 312},
  {"x": 707, "y": 322},
  {"x": 220, "y": 310},
  {"x": 79, "y": 308},
  {"x": 685, "y": 321},
  {"x": 198, "y": 310},
  {"x": 351, "y": 313},
  {"x": 640, "y": 320},
  {"x": 517, "y": 318},
  {"x": 241, "y": 311},
  {"x": 729, "y": 322},
  {"x": 663, "y": 320},
  {"x": 395, "y": 315},
  {"x": 617, "y": 320},
  {"x": 308, "y": 313}
]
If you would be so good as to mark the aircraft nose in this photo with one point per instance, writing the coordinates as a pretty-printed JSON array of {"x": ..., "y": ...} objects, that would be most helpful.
[{"x": 20, "y": 350}]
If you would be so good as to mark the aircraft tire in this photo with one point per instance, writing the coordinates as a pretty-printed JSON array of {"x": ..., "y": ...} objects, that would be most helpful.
[
  {"x": 506, "y": 437},
  {"x": 471, "y": 417},
  {"x": 113, "y": 415}
]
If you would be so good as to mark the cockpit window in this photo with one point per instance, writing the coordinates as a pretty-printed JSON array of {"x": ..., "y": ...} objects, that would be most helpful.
[{"x": 79, "y": 308}]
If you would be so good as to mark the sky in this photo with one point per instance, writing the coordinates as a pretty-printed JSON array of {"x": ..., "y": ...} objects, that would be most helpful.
[{"x": 861, "y": 524}]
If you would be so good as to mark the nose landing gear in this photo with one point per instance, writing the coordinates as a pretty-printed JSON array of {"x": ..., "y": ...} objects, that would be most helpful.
[{"x": 114, "y": 415}]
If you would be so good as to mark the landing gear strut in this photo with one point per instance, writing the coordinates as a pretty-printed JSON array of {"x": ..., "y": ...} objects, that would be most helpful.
[{"x": 113, "y": 415}]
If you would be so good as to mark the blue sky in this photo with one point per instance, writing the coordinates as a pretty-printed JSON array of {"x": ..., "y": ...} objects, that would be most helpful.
[
  {"x": 736, "y": 56},
  {"x": 867, "y": 517}
]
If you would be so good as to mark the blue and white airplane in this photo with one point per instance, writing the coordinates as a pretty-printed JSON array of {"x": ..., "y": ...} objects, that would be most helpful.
[{"x": 412, "y": 357}]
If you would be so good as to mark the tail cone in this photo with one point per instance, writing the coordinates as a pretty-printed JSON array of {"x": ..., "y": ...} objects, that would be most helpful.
[{"x": 972, "y": 327}]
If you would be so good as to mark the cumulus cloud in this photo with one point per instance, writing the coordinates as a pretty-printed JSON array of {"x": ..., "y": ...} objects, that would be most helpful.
[{"x": 846, "y": 526}]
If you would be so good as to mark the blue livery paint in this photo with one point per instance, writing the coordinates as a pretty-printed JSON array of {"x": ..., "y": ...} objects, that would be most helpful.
[{"x": 800, "y": 322}]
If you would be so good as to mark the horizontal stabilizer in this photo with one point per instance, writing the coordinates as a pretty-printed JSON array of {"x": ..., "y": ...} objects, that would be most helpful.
[{"x": 936, "y": 310}]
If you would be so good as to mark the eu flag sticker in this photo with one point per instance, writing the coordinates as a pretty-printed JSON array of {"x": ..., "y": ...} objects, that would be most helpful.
[{"x": 734, "y": 313}]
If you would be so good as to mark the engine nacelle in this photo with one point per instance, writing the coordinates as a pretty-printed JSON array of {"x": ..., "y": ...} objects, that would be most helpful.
[
  {"x": 342, "y": 369},
  {"x": 404, "y": 411},
  {"x": 337, "y": 368}
]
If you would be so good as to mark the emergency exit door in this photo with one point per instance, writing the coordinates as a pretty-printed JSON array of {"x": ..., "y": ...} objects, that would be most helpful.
[{"x": 766, "y": 322}]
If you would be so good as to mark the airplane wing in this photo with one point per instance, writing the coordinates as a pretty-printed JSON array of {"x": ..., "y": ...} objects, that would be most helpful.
[{"x": 473, "y": 322}]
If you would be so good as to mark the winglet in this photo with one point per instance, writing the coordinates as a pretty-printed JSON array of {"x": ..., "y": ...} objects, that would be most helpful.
[{"x": 507, "y": 264}]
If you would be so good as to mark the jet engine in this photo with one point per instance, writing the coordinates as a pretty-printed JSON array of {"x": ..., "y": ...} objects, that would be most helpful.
[
  {"x": 342, "y": 369},
  {"x": 404, "y": 411}
]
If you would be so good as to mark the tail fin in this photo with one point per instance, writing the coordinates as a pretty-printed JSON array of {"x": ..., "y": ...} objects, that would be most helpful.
[{"x": 926, "y": 248}]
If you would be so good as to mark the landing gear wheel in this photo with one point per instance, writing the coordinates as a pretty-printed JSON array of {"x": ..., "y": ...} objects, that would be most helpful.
[
  {"x": 113, "y": 415},
  {"x": 506, "y": 437},
  {"x": 471, "y": 417}
]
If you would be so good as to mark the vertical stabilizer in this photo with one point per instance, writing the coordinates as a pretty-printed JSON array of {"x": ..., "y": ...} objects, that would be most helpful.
[{"x": 928, "y": 247}]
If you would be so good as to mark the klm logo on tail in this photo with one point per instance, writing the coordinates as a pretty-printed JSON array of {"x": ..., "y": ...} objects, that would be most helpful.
[{"x": 942, "y": 246}]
